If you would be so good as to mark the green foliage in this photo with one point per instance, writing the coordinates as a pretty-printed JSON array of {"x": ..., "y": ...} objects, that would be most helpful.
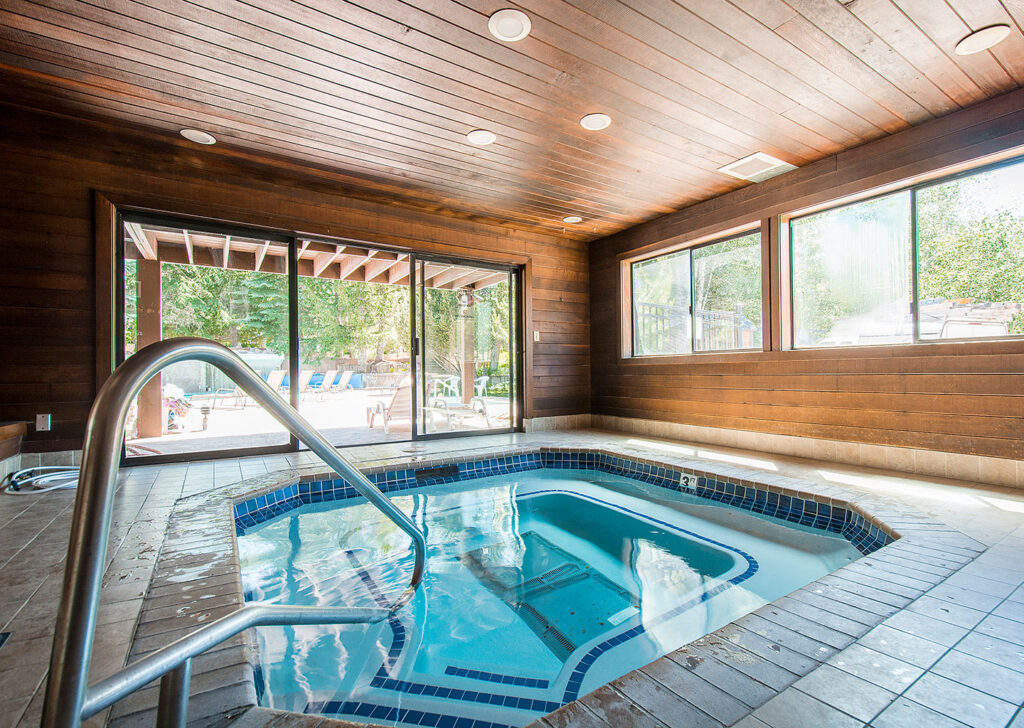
[
  {"x": 336, "y": 318},
  {"x": 849, "y": 261},
  {"x": 965, "y": 250},
  {"x": 131, "y": 304},
  {"x": 727, "y": 278},
  {"x": 235, "y": 308},
  {"x": 970, "y": 247},
  {"x": 489, "y": 314},
  {"x": 345, "y": 318}
]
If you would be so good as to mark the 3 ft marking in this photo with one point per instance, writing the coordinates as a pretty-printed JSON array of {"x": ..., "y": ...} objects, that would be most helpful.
[{"x": 688, "y": 481}]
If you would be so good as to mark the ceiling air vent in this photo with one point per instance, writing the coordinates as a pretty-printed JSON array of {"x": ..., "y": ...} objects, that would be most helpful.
[{"x": 757, "y": 167}]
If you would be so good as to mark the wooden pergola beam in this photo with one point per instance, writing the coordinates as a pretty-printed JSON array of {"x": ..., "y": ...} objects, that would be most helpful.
[
  {"x": 323, "y": 260},
  {"x": 351, "y": 264},
  {"x": 446, "y": 277},
  {"x": 466, "y": 280},
  {"x": 259, "y": 256},
  {"x": 188, "y": 248},
  {"x": 490, "y": 280},
  {"x": 378, "y": 265},
  {"x": 340, "y": 262},
  {"x": 142, "y": 241},
  {"x": 398, "y": 274}
]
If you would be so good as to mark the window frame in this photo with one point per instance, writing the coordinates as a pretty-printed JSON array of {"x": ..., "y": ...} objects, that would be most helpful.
[
  {"x": 788, "y": 321},
  {"x": 627, "y": 330}
]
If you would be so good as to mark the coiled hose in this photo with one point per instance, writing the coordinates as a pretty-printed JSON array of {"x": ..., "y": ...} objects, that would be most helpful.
[{"x": 41, "y": 479}]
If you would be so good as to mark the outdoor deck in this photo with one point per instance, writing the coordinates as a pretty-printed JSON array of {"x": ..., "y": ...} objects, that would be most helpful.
[{"x": 234, "y": 423}]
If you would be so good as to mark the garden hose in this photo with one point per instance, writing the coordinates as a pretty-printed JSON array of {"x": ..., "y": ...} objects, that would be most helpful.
[{"x": 41, "y": 479}]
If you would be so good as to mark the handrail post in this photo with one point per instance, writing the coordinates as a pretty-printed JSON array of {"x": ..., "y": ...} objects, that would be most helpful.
[
  {"x": 172, "y": 710},
  {"x": 101, "y": 456}
]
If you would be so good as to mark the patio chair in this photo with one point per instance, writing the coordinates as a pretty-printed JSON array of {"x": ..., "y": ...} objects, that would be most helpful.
[
  {"x": 398, "y": 407},
  {"x": 241, "y": 399},
  {"x": 343, "y": 381},
  {"x": 455, "y": 413},
  {"x": 325, "y": 384},
  {"x": 305, "y": 377},
  {"x": 276, "y": 380}
]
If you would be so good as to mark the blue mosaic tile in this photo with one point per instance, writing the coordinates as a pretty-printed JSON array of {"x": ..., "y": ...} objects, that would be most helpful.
[
  {"x": 865, "y": 536},
  {"x": 525, "y": 682}
]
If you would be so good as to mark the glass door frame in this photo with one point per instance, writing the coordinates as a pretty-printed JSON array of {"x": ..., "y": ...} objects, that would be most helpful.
[
  {"x": 126, "y": 215},
  {"x": 516, "y": 341},
  {"x": 291, "y": 240}
]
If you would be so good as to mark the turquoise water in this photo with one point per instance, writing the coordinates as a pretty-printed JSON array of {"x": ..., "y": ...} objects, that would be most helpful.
[{"x": 540, "y": 587}]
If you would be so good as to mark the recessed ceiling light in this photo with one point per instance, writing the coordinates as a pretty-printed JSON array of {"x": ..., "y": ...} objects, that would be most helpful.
[
  {"x": 595, "y": 122},
  {"x": 481, "y": 137},
  {"x": 757, "y": 167},
  {"x": 509, "y": 25},
  {"x": 981, "y": 39},
  {"x": 572, "y": 219},
  {"x": 199, "y": 137}
]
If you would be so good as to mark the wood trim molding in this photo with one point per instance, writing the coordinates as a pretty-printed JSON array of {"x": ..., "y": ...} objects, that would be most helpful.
[
  {"x": 769, "y": 286},
  {"x": 105, "y": 228}
]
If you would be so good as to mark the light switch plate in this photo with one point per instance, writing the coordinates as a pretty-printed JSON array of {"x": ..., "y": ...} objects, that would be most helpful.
[
  {"x": 42, "y": 423},
  {"x": 536, "y": 336}
]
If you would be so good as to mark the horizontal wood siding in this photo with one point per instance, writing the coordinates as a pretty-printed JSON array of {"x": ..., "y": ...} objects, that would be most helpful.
[
  {"x": 53, "y": 165},
  {"x": 955, "y": 397}
]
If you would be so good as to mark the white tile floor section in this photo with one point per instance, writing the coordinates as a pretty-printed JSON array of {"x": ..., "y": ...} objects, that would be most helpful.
[{"x": 970, "y": 628}]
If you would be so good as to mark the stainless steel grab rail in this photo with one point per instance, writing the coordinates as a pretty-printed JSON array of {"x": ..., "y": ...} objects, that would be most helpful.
[{"x": 68, "y": 701}]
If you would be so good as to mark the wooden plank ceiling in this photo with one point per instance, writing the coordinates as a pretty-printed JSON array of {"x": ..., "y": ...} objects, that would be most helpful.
[
  {"x": 385, "y": 91},
  {"x": 316, "y": 259}
]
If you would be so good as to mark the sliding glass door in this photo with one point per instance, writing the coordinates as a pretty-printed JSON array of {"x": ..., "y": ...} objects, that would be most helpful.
[
  {"x": 371, "y": 345},
  {"x": 354, "y": 330},
  {"x": 209, "y": 283},
  {"x": 465, "y": 347}
]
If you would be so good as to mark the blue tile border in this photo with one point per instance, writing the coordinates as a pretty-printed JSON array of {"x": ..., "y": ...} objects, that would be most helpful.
[
  {"x": 384, "y": 678},
  {"x": 523, "y": 682},
  {"x": 776, "y": 503}
]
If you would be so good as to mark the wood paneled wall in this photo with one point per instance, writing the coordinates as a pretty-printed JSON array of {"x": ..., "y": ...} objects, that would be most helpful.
[
  {"x": 955, "y": 397},
  {"x": 52, "y": 168}
]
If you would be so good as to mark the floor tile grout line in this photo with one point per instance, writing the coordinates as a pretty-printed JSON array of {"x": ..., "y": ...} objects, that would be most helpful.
[{"x": 951, "y": 648}]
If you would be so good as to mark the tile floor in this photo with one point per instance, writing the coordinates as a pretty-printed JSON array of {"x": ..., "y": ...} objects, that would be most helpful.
[{"x": 952, "y": 657}]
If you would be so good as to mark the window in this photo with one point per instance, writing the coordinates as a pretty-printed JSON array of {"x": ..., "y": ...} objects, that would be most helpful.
[
  {"x": 706, "y": 298},
  {"x": 661, "y": 305},
  {"x": 852, "y": 275},
  {"x": 970, "y": 256},
  {"x": 853, "y": 267},
  {"x": 330, "y": 326}
]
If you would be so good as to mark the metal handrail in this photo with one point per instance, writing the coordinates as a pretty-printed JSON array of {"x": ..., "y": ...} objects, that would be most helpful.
[{"x": 68, "y": 701}]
